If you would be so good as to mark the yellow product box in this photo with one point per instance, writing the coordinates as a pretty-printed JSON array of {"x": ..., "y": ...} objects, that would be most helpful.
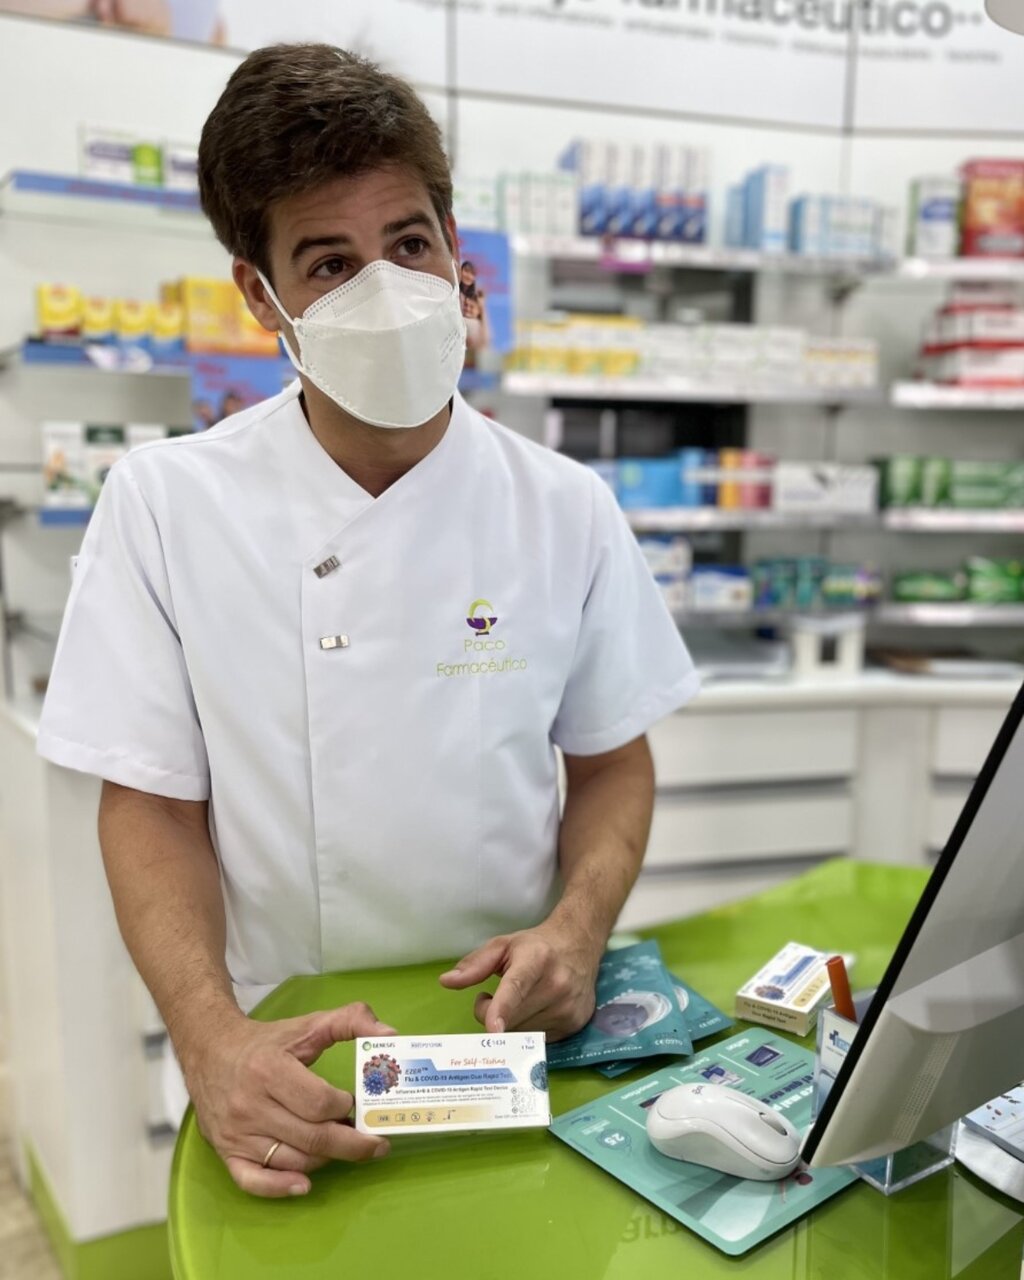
[
  {"x": 133, "y": 321},
  {"x": 216, "y": 318},
  {"x": 58, "y": 311},
  {"x": 208, "y": 310},
  {"x": 168, "y": 328},
  {"x": 452, "y": 1083},
  {"x": 788, "y": 992},
  {"x": 98, "y": 320}
]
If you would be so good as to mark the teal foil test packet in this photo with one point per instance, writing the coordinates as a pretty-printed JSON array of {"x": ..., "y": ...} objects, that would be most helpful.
[
  {"x": 703, "y": 1019},
  {"x": 637, "y": 1014}
]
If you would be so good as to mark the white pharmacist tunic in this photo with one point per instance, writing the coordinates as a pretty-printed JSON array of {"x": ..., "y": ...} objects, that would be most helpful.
[{"x": 369, "y": 691}]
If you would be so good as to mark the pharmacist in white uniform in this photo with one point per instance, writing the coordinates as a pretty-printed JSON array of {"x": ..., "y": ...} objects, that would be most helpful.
[{"x": 323, "y": 654}]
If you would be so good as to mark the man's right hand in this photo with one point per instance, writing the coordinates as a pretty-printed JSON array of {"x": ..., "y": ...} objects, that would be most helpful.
[{"x": 251, "y": 1086}]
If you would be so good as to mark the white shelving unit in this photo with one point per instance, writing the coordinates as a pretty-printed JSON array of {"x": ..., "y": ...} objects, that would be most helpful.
[
  {"x": 716, "y": 520},
  {"x": 923, "y": 520},
  {"x": 677, "y": 391},
  {"x": 981, "y": 269},
  {"x": 638, "y": 253},
  {"x": 927, "y": 395},
  {"x": 953, "y": 614},
  {"x": 908, "y": 520}
]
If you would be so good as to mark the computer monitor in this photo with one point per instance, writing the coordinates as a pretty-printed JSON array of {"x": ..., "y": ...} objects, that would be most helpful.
[{"x": 945, "y": 1030}]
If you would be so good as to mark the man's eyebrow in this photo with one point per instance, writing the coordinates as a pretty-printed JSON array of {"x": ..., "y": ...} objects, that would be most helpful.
[
  {"x": 318, "y": 242},
  {"x": 419, "y": 218},
  {"x": 416, "y": 219}
]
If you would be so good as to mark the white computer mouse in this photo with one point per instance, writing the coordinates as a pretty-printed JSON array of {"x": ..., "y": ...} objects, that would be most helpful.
[{"x": 713, "y": 1125}]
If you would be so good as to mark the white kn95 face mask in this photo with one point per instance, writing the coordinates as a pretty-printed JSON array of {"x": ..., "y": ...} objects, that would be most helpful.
[{"x": 387, "y": 346}]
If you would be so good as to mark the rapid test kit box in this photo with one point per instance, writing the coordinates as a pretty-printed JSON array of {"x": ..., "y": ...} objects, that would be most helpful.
[
  {"x": 451, "y": 1084},
  {"x": 789, "y": 991}
]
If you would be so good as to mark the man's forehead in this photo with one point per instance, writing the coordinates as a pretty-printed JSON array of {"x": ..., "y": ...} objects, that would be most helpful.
[{"x": 364, "y": 202}]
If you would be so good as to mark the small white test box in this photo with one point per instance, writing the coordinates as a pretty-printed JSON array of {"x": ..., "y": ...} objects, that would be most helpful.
[
  {"x": 449, "y": 1083},
  {"x": 788, "y": 992}
]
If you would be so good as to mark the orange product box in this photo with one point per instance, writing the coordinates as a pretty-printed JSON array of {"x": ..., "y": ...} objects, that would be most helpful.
[
  {"x": 993, "y": 209},
  {"x": 729, "y": 490},
  {"x": 216, "y": 318}
]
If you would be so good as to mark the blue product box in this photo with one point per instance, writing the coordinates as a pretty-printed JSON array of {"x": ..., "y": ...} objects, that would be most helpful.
[
  {"x": 591, "y": 160},
  {"x": 736, "y": 217},
  {"x": 807, "y": 226},
  {"x": 767, "y": 209},
  {"x": 693, "y": 224},
  {"x": 691, "y": 492},
  {"x": 649, "y": 482}
]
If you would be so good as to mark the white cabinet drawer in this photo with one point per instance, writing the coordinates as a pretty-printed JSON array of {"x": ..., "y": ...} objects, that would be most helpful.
[
  {"x": 661, "y": 896},
  {"x": 944, "y": 806},
  {"x": 962, "y": 739},
  {"x": 707, "y": 829},
  {"x": 691, "y": 749}
]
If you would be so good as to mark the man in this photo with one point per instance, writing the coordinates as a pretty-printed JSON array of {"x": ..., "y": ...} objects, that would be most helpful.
[{"x": 322, "y": 654}]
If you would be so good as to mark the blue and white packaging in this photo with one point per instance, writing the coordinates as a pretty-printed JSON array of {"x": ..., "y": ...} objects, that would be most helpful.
[
  {"x": 667, "y": 190},
  {"x": 593, "y": 161},
  {"x": 619, "y": 194},
  {"x": 643, "y": 221},
  {"x": 649, "y": 482},
  {"x": 807, "y": 216},
  {"x": 693, "y": 222},
  {"x": 667, "y": 555},
  {"x": 933, "y": 230},
  {"x": 693, "y": 491},
  {"x": 736, "y": 217},
  {"x": 721, "y": 588},
  {"x": 767, "y": 212}
]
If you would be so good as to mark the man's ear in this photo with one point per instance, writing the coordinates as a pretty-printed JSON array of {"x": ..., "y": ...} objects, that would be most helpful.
[
  {"x": 453, "y": 235},
  {"x": 252, "y": 290}
]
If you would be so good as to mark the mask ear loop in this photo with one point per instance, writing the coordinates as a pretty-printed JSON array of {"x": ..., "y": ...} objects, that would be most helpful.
[{"x": 284, "y": 316}]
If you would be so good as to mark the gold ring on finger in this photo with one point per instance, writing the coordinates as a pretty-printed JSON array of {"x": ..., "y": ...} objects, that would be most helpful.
[{"x": 270, "y": 1154}]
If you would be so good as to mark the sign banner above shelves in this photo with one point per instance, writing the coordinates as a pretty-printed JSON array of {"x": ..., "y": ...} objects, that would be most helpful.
[{"x": 939, "y": 66}]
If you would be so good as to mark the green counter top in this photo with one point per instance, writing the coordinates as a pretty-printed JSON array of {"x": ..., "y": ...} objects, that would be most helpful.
[{"x": 487, "y": 1207}]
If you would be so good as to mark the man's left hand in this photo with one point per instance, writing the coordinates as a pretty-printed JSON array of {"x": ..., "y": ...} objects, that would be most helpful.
[{"x": 547, "y": 981}]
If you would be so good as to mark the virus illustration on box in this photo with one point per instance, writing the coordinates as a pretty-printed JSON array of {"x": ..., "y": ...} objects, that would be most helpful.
[{"x": 380, "y": 1074}]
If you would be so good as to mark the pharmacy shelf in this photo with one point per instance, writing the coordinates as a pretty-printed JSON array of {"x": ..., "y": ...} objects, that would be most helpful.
[
  {"x": 890, "y": 615},
  {"x": 675, "y": 390},
  {"x": 632, "y": 255},
  {"x": 715, "y": 520},
  {"x": 928, "y": 395},
  {"x": 924, "y": 520},
  {"x": 106, "y": 205},
  {"x": 980, "y": 269},
  {"x": 102, "y": 359},
  {"x": 949, "y": 615},
  {"x": 752, "y": 619}
]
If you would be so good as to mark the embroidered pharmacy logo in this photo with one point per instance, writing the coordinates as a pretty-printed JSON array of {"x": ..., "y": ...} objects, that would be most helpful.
[
  {"x": 481, "y": 621},
  {"x": 481, "y": 624}
]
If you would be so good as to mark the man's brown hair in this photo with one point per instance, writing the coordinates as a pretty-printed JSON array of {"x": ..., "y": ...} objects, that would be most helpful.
[{"x": 294, "y": 116}]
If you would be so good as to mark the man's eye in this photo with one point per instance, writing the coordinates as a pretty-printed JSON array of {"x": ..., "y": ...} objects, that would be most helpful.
[
  {"x": 329, "y": 267},
  {"x": 414, "y": 247}
]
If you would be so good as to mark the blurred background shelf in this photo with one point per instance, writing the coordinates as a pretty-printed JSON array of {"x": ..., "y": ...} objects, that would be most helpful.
[
  {"x": 86, "y": 201},
  {"x": 924, "y": 520},
  {"x": 925, "y": 395},
  {"x": 954, "y": 614},
  {"x": 631, "y": 254},
  {"x": 677, "y": 391}
]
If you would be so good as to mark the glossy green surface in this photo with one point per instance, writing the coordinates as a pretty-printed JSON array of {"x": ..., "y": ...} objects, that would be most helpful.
[{"x": 472, "y": 1207}]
